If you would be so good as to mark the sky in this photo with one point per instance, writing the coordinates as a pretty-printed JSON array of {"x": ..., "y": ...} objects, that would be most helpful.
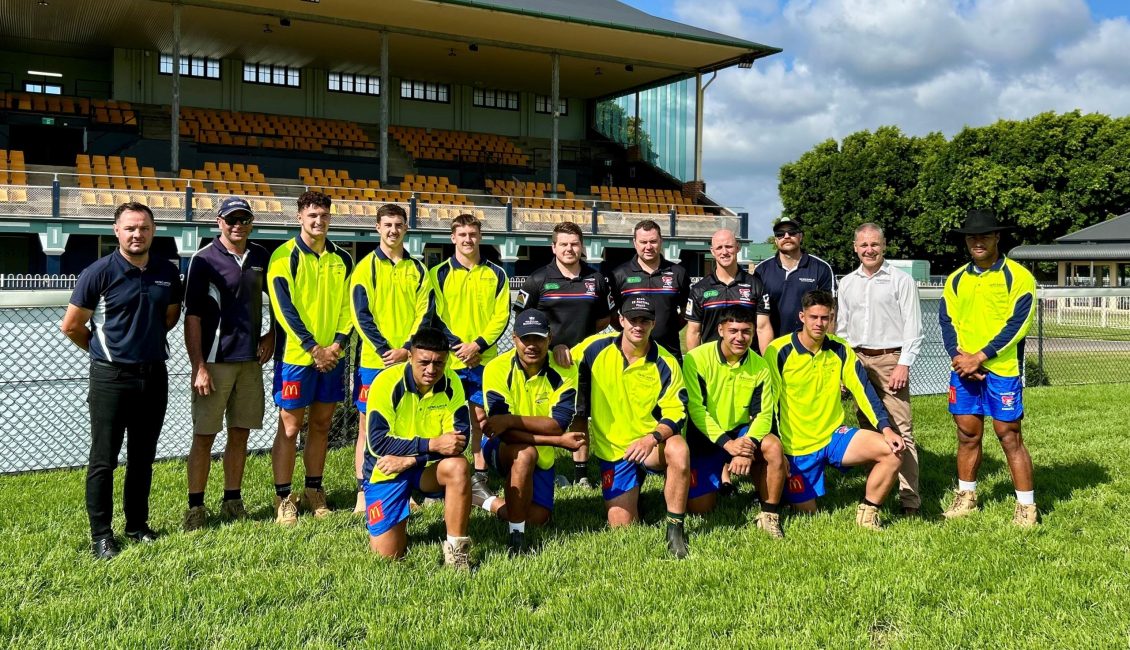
[{"x": 921, "y": 65}]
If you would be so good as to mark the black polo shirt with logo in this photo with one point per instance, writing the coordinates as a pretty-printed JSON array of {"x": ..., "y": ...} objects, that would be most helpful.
[
  {"x": 226, "y": 292},
  {"x": 129, "y": 305},
  {"x": 667, "y": 289},
  {"x": 573, "y": 305},
  {"x": 710, "y": 297},
  {"x": 786, "y": 288}
]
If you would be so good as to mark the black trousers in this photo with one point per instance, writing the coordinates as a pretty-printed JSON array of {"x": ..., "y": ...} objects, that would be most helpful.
[{"x": 123, "y": 398}]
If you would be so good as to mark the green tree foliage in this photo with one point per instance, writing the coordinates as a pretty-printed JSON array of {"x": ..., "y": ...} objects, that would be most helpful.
[{"x": 1047, "y": 176}]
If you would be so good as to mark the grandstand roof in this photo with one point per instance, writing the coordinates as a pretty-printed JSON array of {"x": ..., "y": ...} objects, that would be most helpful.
[
  {"x": 1109, "y": 231},
  {"x": 598, "y": 40}
]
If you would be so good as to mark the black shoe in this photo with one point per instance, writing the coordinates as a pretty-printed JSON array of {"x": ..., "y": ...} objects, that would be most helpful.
[
  {"x": 727, "y": 489},
  {"x": 517, "y": 543},
  {"x": 677, "y": 541},
  {"x": 480, "y": 490},
  {"x": 105, "y": 548},
  {"x": 144, "y": 536}
]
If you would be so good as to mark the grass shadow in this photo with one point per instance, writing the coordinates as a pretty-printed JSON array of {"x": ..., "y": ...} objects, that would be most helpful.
[{"x": 1050, "y": 492}]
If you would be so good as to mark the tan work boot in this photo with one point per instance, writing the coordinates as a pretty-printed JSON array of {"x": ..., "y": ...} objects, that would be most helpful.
[
  {"x": 315, "y": 501},
  {"x": 286, "y": 510},
  {"x": 359, "y": 508},
  {"x": 868, "y": 517},
  {"x": 457, "y": 555},
  {"x": 195, "y": 518},
  {"x": 770, "y": 522},
  {"x": 964, "y": 502},
  {"x": 233, "y": 509},
  {"x": 1025, "y": 516}
]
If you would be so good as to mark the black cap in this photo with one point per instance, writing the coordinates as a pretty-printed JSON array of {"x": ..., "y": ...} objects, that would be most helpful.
[
  {"x": 234, "y": 204},
  {"x": 784, "y": 224},
  {"x": 637, "y": 307},
  {"x": 980, "y": 222},
  {"x": 532, "y": 322}
]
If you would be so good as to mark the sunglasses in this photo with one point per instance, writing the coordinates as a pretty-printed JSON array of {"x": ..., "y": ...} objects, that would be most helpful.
[
  {"x": 781, "y": 234},
  {"x": 234, "y": 219}
]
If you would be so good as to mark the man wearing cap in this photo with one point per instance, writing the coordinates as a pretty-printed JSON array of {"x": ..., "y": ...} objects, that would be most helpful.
[
  {"x": 665, "y": 283},
  {"x": 727, "y": 286},
  {"x": 309, "y": 288},
  {"x": 987, "y": 307},
  {"x": 390, "y": 296},
  {"x": 530, "y": 403},
  {"x": 879, "y": 316},
  {"x": 789, "y": 275},
  {"x": 223, "y": 334},
  {"x": 576, "y": 298},
  {"x": 130, "y": 301},
  {"x": 637, "y": 406}
]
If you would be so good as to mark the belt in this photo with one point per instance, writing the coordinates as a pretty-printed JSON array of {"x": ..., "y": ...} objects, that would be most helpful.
[{"x": 874, "y": 352}]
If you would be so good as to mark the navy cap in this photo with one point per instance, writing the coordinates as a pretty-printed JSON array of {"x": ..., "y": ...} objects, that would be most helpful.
[
  {"x": 532, "y": 322},
  {"x": 784, "y": 224},
  {"x": 234, "y": 204},
  {"x": 637, "y": 307}
]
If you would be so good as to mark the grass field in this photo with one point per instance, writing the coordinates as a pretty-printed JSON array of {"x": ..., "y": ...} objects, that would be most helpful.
[
  {"x": 920, "y": 583},
  {"x": 1073, "y": 368}
]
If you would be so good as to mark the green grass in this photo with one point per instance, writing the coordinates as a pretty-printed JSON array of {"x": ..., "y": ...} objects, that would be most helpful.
[
  {"x": 1121, "y": 332},
  {"x": 977, "y": 582}
]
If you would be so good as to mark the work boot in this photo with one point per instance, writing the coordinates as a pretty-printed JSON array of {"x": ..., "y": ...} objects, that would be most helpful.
[
  {"x": 286, "y": 510},
  {"x": 233, "y": 509},
  {"x": 868, "y": 517},
  {"x": 517, "y": 544},
  {"x": 964, "y": 503},
  {"x": 677, "y": 541},
  {"x": 195, "y": 518},
  {"x": 457, "y": 555},
  {"x": 315, "y": 501},
  {"x": 770, "y": 522},
  {"x": 1025, "y": 516}
]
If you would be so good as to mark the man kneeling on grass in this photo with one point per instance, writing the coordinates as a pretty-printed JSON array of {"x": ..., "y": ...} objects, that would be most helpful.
[
  {"x": 530, "y": 403},
  {"x": 418, "y": 428},
  {"x": 808, "y": 367}
]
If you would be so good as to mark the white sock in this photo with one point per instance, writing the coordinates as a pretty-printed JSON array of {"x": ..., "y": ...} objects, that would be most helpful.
[
  {"x": 488, "y": 503},
  {"x": 1026, "y": 498},
  {"x": 455, "y": 539},
  {"x": 520, "y": 526},
  {"x": 967, "y": 486}
]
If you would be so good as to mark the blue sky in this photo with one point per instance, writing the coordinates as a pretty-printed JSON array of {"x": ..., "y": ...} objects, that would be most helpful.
[{"x": 922, "y": 65}]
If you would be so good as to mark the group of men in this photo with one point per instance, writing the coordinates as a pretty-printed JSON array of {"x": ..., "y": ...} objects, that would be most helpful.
[{"x": 431, "y": 383}]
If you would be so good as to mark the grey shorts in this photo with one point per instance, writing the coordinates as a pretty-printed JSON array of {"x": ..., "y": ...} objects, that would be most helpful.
[{"x": 238, "y": 393}]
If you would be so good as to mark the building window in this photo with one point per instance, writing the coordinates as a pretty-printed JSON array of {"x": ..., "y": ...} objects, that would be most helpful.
[
  {"x": 360, "y": 84},
  {"x": 190, "y": 66},
  {"x": 42, "y": 88},
  {"x": 271, "y": 75},
  {"x": 425, "y": 91},
  {"x": 503, "y": 99},
  {"x": 543, "y": 102}
]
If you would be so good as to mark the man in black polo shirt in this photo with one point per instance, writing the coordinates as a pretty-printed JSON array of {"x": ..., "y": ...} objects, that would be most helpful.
[
  {"x": 789, "y": 275},
  {"x": 727, "y": 286},
  {"x": 576, "y": 298},
  {"x": 664, "y": 283},
  {"x": 130, "y": 302},
  {"x": 223, "y": 334}
]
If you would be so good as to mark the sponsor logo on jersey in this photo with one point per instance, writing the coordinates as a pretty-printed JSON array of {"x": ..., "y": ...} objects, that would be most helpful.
[
  {"x": 521, "y": 299},
  {"x": 590, "y": 286},
  {"x": 953, "y": 395},
  {"x": 796, "y": 484},
  {"x": 292, "y": 390},
  {"x": 162, "y": 283},
  {"x": 710, "y": 294},
  {"x": 376, "y": 513},
  {"x": 635, "y": 279},
  {"x": 363, "y": 394},
  {"x": 694, "y": 478},
  {"x": 551, "y": 285},
  {"x": 806, "y": 279},
  {"x": 606, "y": 478}
]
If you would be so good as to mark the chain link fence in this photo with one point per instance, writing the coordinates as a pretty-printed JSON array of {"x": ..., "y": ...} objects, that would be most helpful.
[{"x": 1081, "y": 336}]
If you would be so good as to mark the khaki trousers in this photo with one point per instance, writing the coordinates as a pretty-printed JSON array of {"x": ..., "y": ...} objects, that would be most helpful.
[{"x": 898, "y": 407}]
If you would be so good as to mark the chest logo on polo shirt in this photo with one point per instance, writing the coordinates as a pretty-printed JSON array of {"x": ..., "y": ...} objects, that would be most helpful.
[
  {"x": 634, "y": 279},
  {"x": 806, "y": 279},
  {"x": 744, "y": 293},
  {"x": 590, "y": 286},
  {"x": 257, "y": 268},
  {"x": 710, "y": 294},
  {"x": 162, "y": 283},
  {"x": 549, "y": 286},
  {"x": 668, "y": 281}
]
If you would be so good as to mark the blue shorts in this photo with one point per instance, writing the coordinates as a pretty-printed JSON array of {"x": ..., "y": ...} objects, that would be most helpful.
[
  {"x": 806, "y": 473},
  {"x": 620, "y": 476},
  {"x": 1001, "y": 398},
  {"x": 362, "y": 379},
  {"x": 706, "y": 470},
  {"x": 472, "y": 383},
  {"x": 301, "y": 386},
  {"x": 386, "y": 503},
  {"x": 543, "y": 478}
]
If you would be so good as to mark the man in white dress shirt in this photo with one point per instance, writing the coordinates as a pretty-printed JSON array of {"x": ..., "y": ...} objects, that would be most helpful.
[{"x": 878, "y": 315}]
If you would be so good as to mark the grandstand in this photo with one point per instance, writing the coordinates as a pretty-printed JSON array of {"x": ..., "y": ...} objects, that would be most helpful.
[{"x": 526, "y": 114}]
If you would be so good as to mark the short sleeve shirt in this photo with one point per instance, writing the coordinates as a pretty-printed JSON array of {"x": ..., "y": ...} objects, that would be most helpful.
[
  {"x": 710, "y": 297},
  {"x": 129, "y": 305},
  {"x": 787, "y": 287},
  {"x": 226, "y": 291},
  {"x": 667, "y": 290},
  {"x": 572, "y": 304}
]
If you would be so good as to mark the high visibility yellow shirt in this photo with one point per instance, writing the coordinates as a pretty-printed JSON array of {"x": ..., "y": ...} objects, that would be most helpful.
[
  {"x": 310, "y": 297},
  {"x": 722, "y": 398},
  {"x": 389, "y": 301},
  {"x": 472, "y": 304},
  {"x": 551, "y": 392}
]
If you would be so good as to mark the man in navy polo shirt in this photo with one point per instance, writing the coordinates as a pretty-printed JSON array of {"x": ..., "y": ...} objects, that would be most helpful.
[
  {"x": 789, "y": 275},
  {"x": 665, "y": 283},
  {"x": 130, "y": 302},
  {"x": 223, "y": 334}
]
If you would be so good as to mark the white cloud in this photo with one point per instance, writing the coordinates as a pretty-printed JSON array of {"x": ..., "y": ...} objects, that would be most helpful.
[{"x": 922, "y": 65}]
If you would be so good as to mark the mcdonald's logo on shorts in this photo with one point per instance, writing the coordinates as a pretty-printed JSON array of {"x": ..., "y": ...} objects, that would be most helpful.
[
  {"x": 796, "y": 484},
  {"x": 363, "y": 394},
  {"x": 694, "y": 478},
  {"x": 606, "y": 478},
  {"x": 376, "y": 513},
  {"x": 953, "y": 394},
  {"x": 292, "y": 390}
]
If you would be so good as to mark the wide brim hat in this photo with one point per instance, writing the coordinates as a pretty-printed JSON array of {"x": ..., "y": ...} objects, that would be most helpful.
[{"x": 980, "y": 222}]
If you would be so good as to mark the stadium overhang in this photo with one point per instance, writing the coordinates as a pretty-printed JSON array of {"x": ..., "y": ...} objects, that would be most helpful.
[
  {"x": 1071, "y": 252},
  {"x": 604, "y": 47}
]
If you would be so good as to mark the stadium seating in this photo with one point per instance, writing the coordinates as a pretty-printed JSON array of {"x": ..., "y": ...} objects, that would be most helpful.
[
  {"x": 434, "y": 189},
  {"x": 645, "y": 200},
  {"x": 102, "y": 111},
  {"x": 12, "y": 176},
  {"x": 533, "y": 195},
  {"x": 440, "y": 144},
  {"x": 230, "y": 128}
]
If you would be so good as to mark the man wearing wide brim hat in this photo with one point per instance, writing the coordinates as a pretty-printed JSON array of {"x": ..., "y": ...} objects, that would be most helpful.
[{"x": 987, "y": 307}]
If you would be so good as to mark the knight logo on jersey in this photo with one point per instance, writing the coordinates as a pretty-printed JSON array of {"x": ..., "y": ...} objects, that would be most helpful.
[
  {"x": 590, "y": 286},
  {"x": 744, "y": 293},
  {"x": 1008, "y": 400},
  {"x": 668, "y": 281}
]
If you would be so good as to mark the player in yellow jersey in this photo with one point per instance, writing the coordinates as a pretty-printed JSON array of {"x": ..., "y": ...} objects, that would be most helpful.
[{"x": 808, "y": 367}]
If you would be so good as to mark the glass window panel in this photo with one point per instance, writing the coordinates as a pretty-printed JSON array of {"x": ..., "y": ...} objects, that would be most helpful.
[
  {"x": 53, "y": 89},
  {"x": 443, "y": 92},
  {"x": 248, "y": 72},
  {"x": 347, "y": 83},
  {"x": 197, "y": 68},
  {"x": 213, "y": 69},
  {"x": 166, "y": 64},
  {"x": 334, "y": 81},
  {"x": 293, "y": 77}
]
